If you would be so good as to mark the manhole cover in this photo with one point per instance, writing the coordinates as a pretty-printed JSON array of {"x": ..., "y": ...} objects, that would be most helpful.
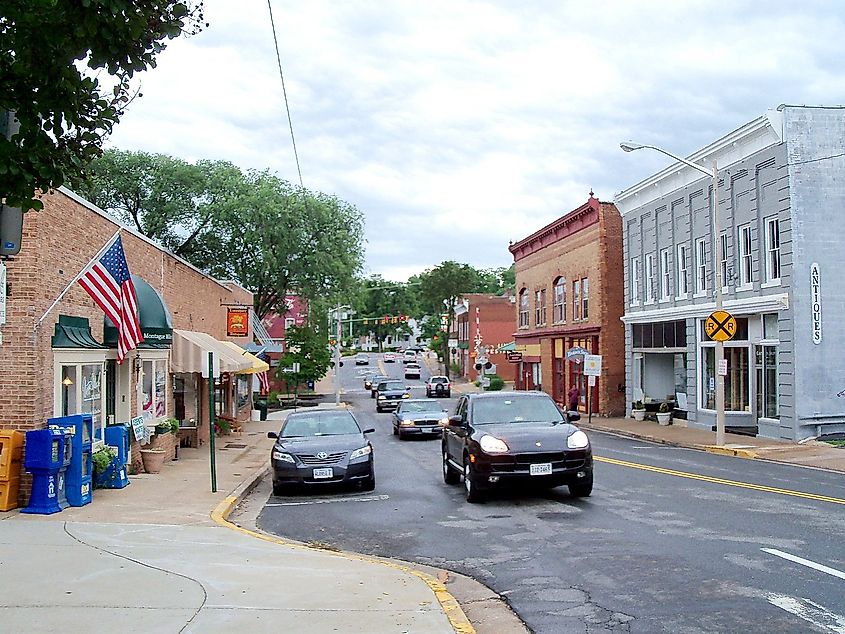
[{"x": 234, "y": 445}]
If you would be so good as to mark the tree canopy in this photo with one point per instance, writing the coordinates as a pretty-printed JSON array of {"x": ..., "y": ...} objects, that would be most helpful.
[{"x": 65, "y": 72}]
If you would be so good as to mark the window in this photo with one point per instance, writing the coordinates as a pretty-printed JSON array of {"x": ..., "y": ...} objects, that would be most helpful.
[
  {"x": 153, "y": 388},
  {"x": 736, "y": 381},
  {"x": 772, "y": 250},
  {"x": 665, "y": 275},
  {"x": 523, "y": 308},
  {"x": 585, "y": 294},
  {"x": 660, "y": 334},
  {"x": 768, "y": 398},
  {"x": 683, "y": 280},
  {"x": 635, "y": 280},
  {"x": 576, "y": 300},
  {"x": 745, "y": 257},
  {"x": 649, "y": 278},
  {"x": 700, "y": 265},
  {"x": 723, "y": 263},
  {"x": 559, "y": 306},
  {"x": 80, "y": 390},
  {"x": 540, "y": 307}
]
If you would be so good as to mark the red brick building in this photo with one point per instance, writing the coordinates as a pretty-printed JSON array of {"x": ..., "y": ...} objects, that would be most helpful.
[
  {"x": 276, "y": 326},
  {"x": 485, "y": 322},
  {"x": 569, "y": 300},
  {"x": 64, "y": 361}
]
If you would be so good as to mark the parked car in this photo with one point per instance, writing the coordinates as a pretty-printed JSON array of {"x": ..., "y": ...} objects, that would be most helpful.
[
  {"x": 418, "y": 417},
  {"x": 315, "y": 448},
  {"x": 412, "y": 371},
  {"x": 498, "y": 438},
  {"x": 362, "y": 358},
  {"x": 438, "y": 386},
  {"x": 409, "y": 356},
  {"x": 389, "y": 357},
  {"x": 389, "y": 394},
  {"x": 371, "y": 383}
]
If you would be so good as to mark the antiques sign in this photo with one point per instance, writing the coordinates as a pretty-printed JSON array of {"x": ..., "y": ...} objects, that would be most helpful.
[
  {"x": 237, "y": 322},
  {"x": 816, "y": 302}
]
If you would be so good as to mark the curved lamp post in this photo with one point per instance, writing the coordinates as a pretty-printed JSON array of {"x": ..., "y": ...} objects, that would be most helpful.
[{"x": 713, "y": 173}]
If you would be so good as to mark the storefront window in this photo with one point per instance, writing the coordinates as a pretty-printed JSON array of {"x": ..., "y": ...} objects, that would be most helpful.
[
  {"x": 736, "y": 381},
  {"x": 244, "y": 381},
  {"x": 92, "y": 392},
  {"x": 81, "y": 391},
  {"x": 153, "y": 388},
  {"x": 768, "y": 399},
  {"x": 186, "y": 399}
]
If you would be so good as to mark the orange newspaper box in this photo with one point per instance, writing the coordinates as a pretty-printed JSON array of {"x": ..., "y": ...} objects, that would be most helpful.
[{"x": 11, "y": 455}]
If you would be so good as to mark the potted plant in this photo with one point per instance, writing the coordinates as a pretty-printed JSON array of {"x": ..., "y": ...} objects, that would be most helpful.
[
  {"x": 664, "y": 413},
  {"x": 152, "y": 459},
  {"x": 638, "y": 411},
  {"x": 104, "y": 471}
]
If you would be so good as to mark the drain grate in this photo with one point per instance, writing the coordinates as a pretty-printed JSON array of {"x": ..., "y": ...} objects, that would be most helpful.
[{"x": 234, "y": 445}]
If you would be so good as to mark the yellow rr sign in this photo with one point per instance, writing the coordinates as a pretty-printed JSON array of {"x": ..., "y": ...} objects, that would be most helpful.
[{"x": 720, "y": 326}]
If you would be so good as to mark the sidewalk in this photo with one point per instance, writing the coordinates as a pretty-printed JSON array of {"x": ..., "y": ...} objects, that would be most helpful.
[{"x": 154, "y": 557}]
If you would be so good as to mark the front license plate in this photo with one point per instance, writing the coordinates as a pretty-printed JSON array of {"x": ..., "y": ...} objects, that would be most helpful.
[
  {"x": 543, "y": 468},
  {"x": 322, "y": 474}
]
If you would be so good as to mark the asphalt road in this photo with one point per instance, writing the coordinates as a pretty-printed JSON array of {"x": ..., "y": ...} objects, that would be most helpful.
[{"x": 672, "y": 540}]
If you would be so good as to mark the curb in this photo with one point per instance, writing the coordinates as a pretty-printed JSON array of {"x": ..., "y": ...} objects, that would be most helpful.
[
  {"x": 450, "y": 606},
  {"x": 727, "y": 451}
]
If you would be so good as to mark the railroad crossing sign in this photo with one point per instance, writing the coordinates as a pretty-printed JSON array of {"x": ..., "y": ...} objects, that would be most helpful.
[{"x": 720, "y": 326}]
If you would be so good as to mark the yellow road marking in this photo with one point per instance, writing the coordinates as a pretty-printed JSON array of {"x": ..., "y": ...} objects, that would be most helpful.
[{"x": 732, "y": 483}]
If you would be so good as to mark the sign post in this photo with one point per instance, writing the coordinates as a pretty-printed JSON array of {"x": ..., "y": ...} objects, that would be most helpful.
[
  {"x": 592, "y": 369},
  {"x": 211, "y": 421}
]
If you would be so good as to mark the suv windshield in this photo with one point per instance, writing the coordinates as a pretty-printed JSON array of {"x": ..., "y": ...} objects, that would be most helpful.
[
  {"x": 334, "y": 425},
  {"x": 515, "y": 409},
  {"x": 438, "y": 379},
  {"x": 391, "y": 385}
]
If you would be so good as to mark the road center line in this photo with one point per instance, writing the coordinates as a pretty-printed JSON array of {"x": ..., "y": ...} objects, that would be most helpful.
[
  {"x": 369, "y": 498},
  {"x": 733, "y": 483},
  {"x": 805, "y": 562}
]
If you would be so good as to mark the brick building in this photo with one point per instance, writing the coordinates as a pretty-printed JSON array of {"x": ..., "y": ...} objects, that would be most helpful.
[
  {"x": 484, "y": 323},
  {"x": 569, "y": 302},
  {"x": 276, "y": 325},
  {"x": 64, "y": 361}
]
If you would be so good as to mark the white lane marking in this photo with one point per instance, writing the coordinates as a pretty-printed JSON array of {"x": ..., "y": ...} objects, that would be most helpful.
[
  {"x": 805, "y": 562},
  {"x": 369, "y": 498},
  {"x": 809, "y": 611}
]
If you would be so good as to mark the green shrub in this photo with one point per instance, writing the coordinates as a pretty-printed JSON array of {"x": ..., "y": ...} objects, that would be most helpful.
[
  {"x": 497, "y": 383},
  {"x": 664, "y": 408},
  {"x": 639, "y": 405},
  {"x": 174, "y": 426},
  {"x": 102, "y": 458}
]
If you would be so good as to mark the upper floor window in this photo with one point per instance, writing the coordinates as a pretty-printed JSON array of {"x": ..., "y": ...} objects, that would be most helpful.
[
  {"x": 772, "y": 250},
  {"x": 700, "y": 265},
  {"x": 635, "y": 280},
  {"x": 649, "y": 278},
  {"x": 523, "y": 308},
  {"x": 723, "y": 262},
  {"x": 540, "y": 307},
  {"x": 585, "y": 295},
  {"x": 665, "y": 275},
  {"x": 746, "y": 262},
  {"x": 576, "y": 300},
  {"x": 683, "y": 273},
  {"x": 559, "y": 305}
]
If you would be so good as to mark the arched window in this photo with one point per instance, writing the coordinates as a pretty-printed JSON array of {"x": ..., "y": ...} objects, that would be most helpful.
[
  {"x": 523, "y": 308},
  {"x": 559, "y": 300}
]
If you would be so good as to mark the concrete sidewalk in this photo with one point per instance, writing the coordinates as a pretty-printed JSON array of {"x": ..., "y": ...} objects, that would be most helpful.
[{"x": 159, "y": 556}]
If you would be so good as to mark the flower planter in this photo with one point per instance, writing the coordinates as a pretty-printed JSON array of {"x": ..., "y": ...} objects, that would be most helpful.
[
  {"x": 153, "y": 459},
  {"x": 639, "y": 414},
  {"x": 664, "y": 418}
]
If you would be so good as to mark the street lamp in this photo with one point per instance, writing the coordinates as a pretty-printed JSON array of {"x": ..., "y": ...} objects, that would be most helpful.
[{"x": 713, "y": 173}]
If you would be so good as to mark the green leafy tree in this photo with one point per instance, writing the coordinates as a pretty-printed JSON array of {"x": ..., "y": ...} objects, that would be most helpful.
[
  {"x": 307, "y": 347},
  {"x": 377, "y": 298},
  {"x": 66, "y": 70}
]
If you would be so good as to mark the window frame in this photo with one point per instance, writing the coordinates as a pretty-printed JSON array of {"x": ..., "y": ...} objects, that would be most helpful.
[
  {"x": 665, "y": 276},
  {"x": 701, "y": 266},
  {"x": 523, "y": 308},
  {"x": 746, "y": 256},
  {"x": 773, "y": 264},
  {"x": 559, "y": 300},
  {"x": 648, "y": 291},
  {"x": 576, "y": 300},
  {"x": 636, "y": 281},
  {"x": 585, "y": 296},
  {"x": 723, "y": 263},
  {"x": 682, "y": 271}
]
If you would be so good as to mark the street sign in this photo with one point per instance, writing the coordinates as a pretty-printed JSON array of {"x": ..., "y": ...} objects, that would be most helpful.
[
  {"x": 592, "y": 365},
  {"x": 720, "y": 326},
  {"x": 514, "y": 357},
  {"x": 723, "y": 367},
  {"x": 591, "y": 380}
]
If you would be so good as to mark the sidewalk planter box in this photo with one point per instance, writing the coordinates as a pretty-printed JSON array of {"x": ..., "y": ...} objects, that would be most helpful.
[
  {"x": 153, "y": 459},
  {"x": 664, "y": 418},
  {"x": 639, "y": 414}
]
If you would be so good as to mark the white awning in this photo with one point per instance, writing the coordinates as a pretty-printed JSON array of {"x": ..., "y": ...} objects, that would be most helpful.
[{"x": 190, "y": 354}]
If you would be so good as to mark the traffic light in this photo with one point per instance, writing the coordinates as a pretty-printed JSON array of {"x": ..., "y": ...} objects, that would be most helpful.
[{"x": 333, "y": 342}]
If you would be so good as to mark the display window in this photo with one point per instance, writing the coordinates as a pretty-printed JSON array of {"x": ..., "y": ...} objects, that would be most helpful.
[{"x": 79, "y": 380}]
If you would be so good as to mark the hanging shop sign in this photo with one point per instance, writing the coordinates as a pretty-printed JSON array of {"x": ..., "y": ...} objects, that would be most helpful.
[
  {"x": 816, "y": 302},
  {"x": 577, "y": 354},
  {"x": 592, "y": 365},
  {"x": 237, "y": 322}
]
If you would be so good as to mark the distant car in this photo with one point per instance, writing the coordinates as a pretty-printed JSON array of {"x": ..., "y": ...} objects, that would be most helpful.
[
  {"x": 389, "y": 394},
  {"x": 371, "y": 383},
  {"x": 362, "y": 358},
  {"x": 412, "y": 371},
  {"x": 409, "y": 356},
  {"x": 418, "y": 417},
  {"x": 389, "y": 357},
  {"x": 498, "y": 438},
  {"x": 438, "y": 386},
  {"x": 319, "y": 447}
]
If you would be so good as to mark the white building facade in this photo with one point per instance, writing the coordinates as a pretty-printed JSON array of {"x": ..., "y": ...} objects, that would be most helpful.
[{"x": 781, "y": 200}]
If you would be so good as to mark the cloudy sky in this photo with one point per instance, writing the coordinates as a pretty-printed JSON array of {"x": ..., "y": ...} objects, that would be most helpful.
[{"x": 456, "y": 126}]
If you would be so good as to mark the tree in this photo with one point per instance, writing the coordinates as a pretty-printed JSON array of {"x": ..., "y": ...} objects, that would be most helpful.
[
  {"x": 308, "y": 348},
  {"x": 378, "y": 298},
  {"x": 66, "y": 70}
]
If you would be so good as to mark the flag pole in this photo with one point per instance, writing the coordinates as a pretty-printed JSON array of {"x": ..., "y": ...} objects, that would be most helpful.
[{"x": 78, "y": 276}]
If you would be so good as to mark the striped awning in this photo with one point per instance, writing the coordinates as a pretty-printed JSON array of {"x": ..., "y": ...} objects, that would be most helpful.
[
  {"x": 190, "y": 354},
  {"x": 257, "y": 364}
]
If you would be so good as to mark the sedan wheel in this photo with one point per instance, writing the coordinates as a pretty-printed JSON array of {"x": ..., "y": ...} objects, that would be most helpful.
[
  {"x": 473, "y": 494},
  {"x": 450, "y": 474}
]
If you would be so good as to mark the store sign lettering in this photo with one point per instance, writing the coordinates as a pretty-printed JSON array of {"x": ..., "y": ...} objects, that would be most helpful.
[{"x": 816, "y": 302}]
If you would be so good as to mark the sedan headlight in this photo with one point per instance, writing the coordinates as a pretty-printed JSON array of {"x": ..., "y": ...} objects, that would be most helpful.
[
  {"x": 283, "y": 456},
  {"x": 491, "y": 444},
  {"x": 363, "y": 451},
  {"x": 381, "y": 397},
  {"x": 444, "y": 421},
  {"x": 578, "y": 440},
  {"x": 407, "y": 423},
  {"x": 406, "y": 396}
]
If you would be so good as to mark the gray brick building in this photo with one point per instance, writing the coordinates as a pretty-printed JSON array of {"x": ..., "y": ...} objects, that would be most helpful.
[{"x": 781, "y": 198}]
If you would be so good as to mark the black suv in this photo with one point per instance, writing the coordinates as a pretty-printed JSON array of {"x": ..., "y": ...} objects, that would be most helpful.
[{"x": 497, "y": 438}]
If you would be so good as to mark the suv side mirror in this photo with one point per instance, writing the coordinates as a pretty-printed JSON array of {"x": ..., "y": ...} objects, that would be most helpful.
[
  {"x": 272, "y": 434},
  {"x": 369, "y": 431},
  {"x": 573, "y": 415},
  {"x": 456, "y": 420}
]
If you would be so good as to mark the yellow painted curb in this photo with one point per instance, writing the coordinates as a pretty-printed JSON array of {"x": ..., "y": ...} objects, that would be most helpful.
[
  {"x": 728, "y": 451},
  {"x": 451, "y": 608}
]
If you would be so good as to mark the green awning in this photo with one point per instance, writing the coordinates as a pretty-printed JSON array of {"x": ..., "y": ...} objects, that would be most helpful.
[
  {"x": 506, "y": 347},
  {"x": 74, "y": 332},
  {"x": 156, "y": 324},
  {"x": 463, "y": 345}
]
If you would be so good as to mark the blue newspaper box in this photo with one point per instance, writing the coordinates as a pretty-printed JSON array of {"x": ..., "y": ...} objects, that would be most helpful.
[
  {"x": 116, "y": 476},
  {"x": 79, "y": 480},
  {"x": 46, "y": 456}
]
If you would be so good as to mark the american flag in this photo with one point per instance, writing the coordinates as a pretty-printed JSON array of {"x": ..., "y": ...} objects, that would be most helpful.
[
  {"x": 264, "y": 382},
  {"x": 107, "y": 281}
]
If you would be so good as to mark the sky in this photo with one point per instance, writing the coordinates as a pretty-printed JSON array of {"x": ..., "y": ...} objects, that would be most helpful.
[{"x": 457, "y": 126}]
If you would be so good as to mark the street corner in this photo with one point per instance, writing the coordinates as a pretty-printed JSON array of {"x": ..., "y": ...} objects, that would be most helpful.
[{"x": 732, "y": 450}]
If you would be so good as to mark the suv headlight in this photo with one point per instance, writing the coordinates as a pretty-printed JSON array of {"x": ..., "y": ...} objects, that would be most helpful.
[
  {"x": 578, "y": 440},
  {"x": 444, "y": 420},
  {"x": 491, "y": 444},
  {"x": 381, "y": 397},
  {"x": 406, "y": 395},
  {"x": 283, "y": 456},
  {"x": 363, "y": 451}
]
